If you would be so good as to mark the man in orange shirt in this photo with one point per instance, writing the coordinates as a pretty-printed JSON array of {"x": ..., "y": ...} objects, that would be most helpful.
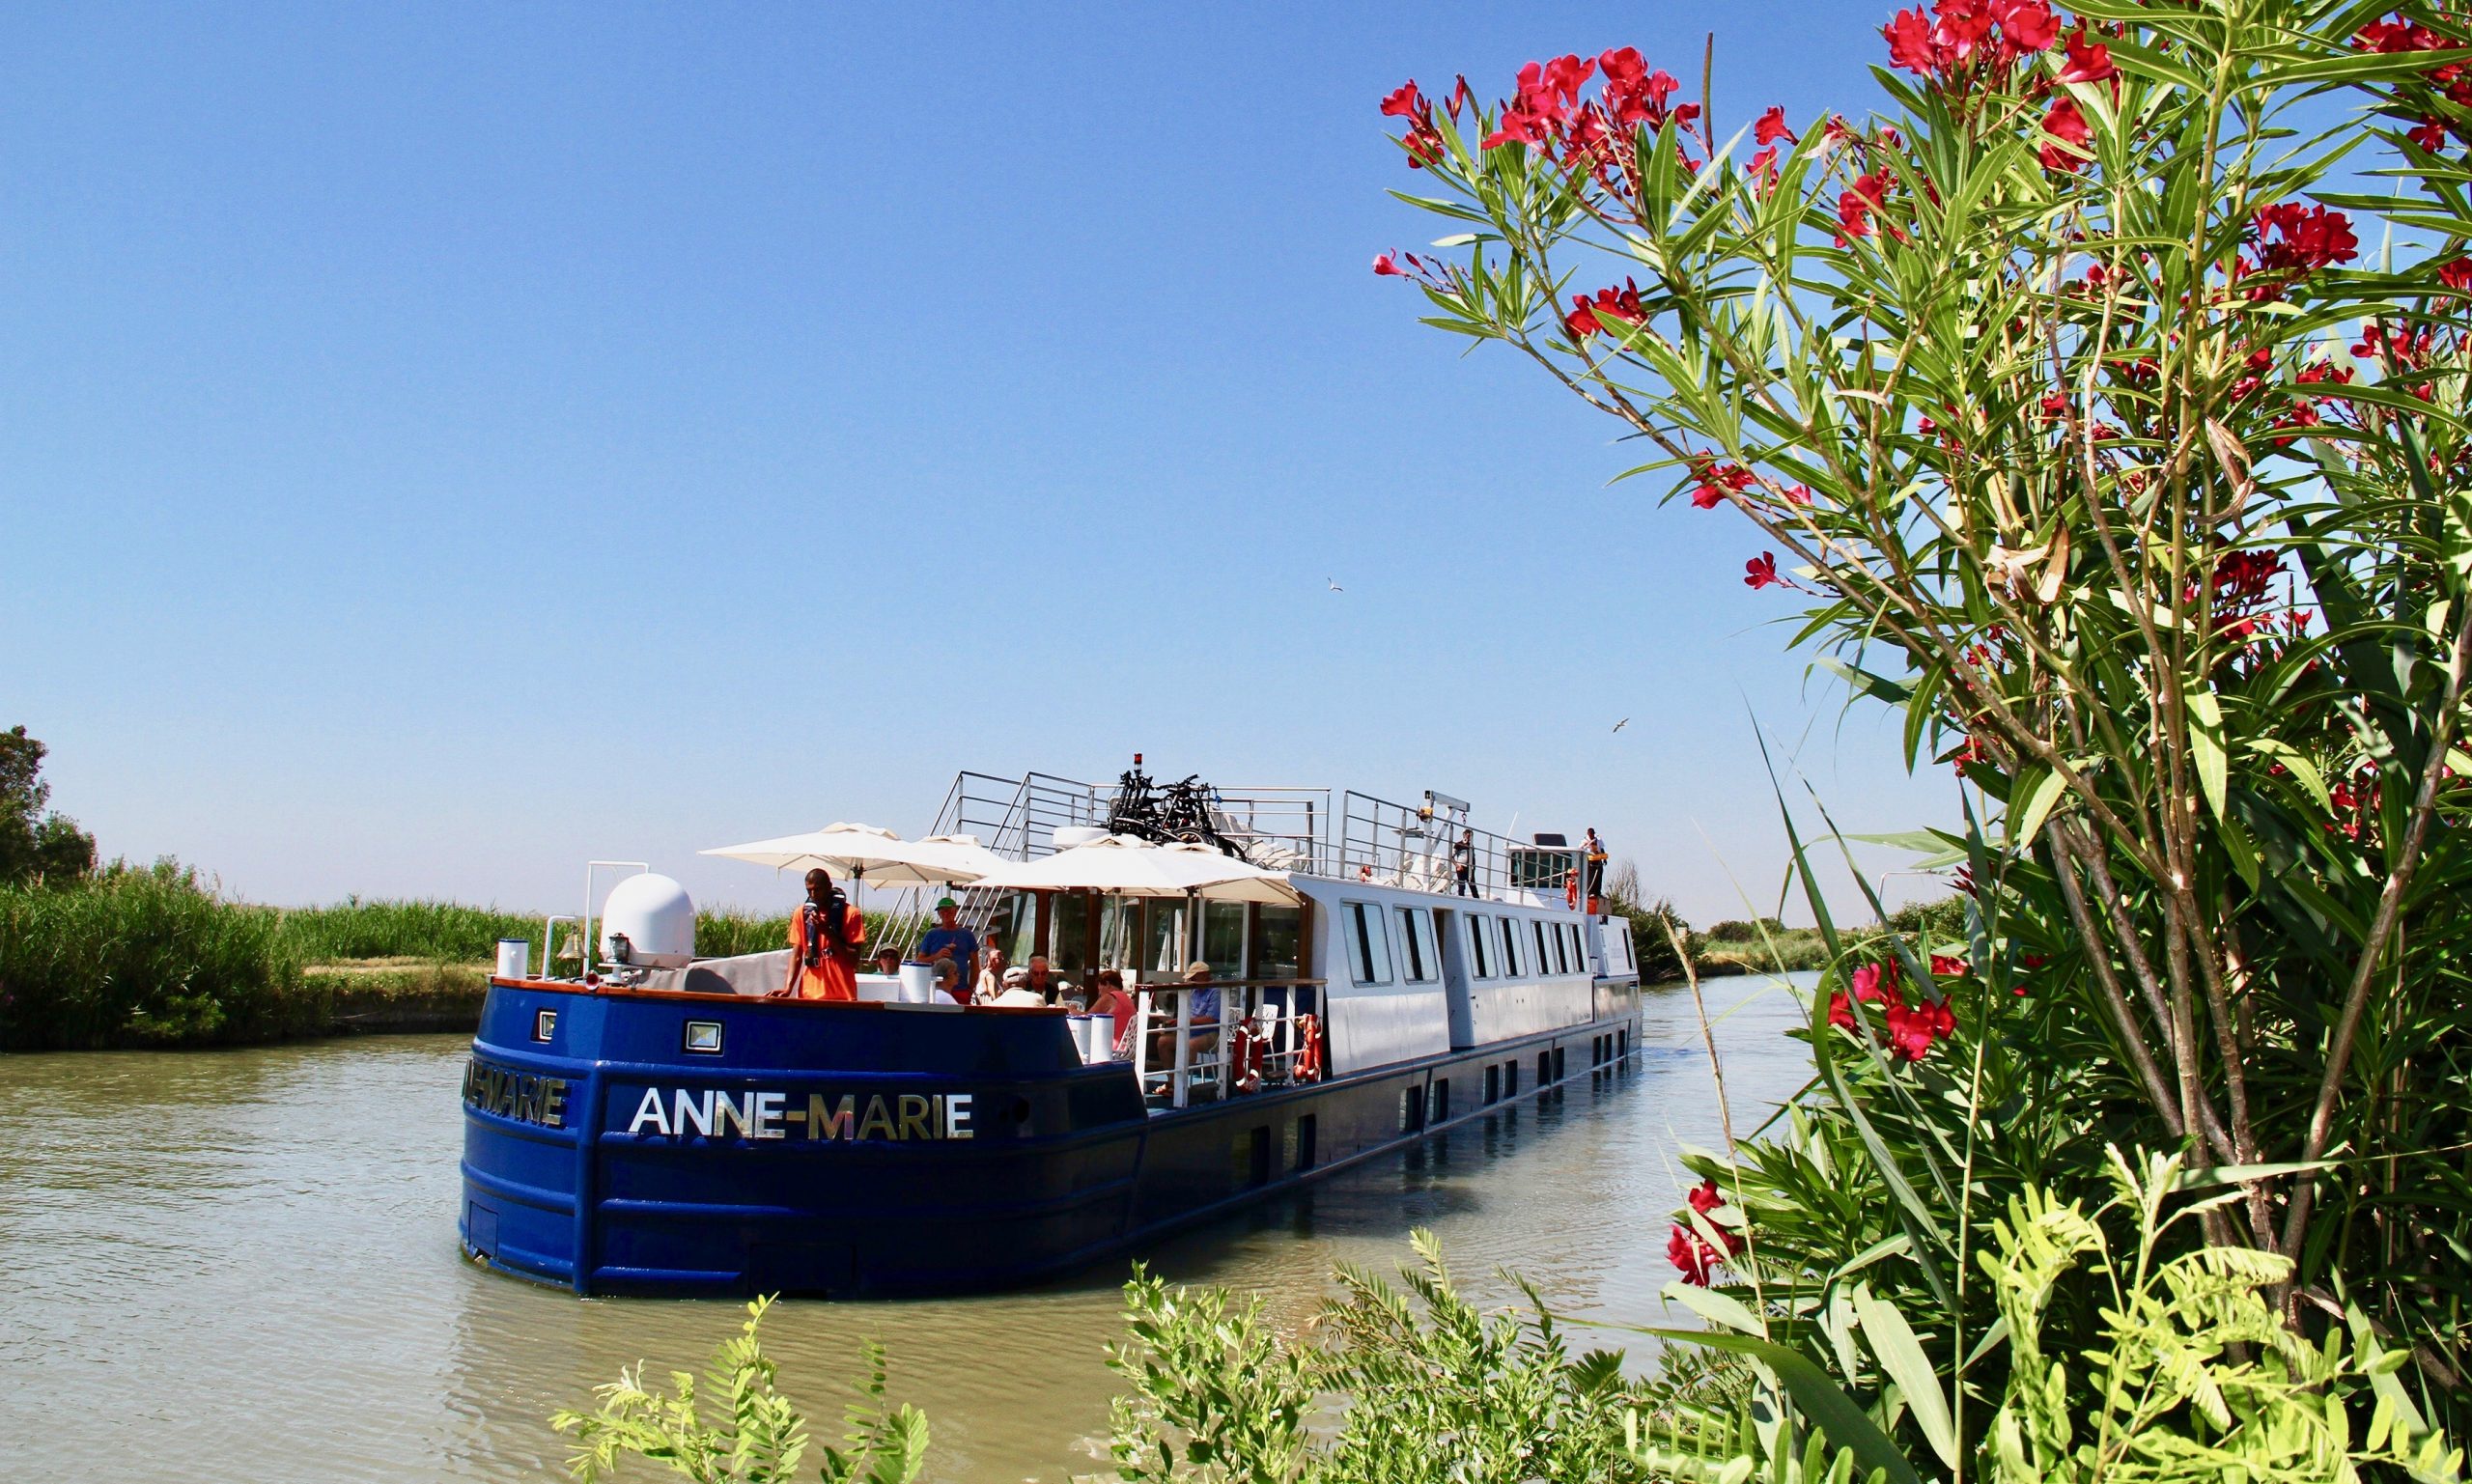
[{"x": 825, "y": 939}]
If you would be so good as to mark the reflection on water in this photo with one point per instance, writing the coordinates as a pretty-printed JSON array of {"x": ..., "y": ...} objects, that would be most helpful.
[{"x": 242, "y": 1264}]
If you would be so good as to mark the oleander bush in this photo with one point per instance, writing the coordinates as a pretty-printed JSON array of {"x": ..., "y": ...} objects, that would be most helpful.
[{"x": 2103, "y": 405}]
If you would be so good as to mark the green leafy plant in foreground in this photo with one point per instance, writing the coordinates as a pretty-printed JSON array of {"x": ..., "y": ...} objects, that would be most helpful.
[
  {"x": 741, "y": 1430},
  {"x": 2192, "y": 1377},
  {"x": 1426, "y": 1386}
]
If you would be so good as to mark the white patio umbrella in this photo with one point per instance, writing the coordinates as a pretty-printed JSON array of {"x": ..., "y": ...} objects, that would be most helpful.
[
  {"x": 877, "y": 856},
  {"x": 1137, "y": 868}
]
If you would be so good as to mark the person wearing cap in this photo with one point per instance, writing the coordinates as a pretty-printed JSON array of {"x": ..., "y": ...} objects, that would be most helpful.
[
  {"x": 1202, "y": 1019},
  {"x": 887, "y": 960},
  {"x": 1017, "y": 994},
  {"x": 949, "y": 942},
  {"x": 825, "y": 934}
]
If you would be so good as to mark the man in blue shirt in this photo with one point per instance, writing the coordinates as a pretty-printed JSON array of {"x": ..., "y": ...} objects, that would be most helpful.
[{"x": 949, "y": 941}]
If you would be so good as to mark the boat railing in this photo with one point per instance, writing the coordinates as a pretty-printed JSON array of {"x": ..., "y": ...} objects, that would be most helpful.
[
  {"x": 1410, "y": 846},
  {"x": 1179, "y": 1059}
]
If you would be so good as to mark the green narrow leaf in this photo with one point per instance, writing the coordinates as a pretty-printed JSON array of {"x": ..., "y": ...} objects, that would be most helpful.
[
  {"x": 1900, "y": 1354},
  {"x": 2040, "y": 796},
  {"x": 1716, "y": 1307},
  {"x": 1835, "y": 1413},
  {"x": 2206, "y": 746}
]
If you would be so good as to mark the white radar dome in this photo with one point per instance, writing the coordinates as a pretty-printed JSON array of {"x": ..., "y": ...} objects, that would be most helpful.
[{"x": 648, "y": 922}]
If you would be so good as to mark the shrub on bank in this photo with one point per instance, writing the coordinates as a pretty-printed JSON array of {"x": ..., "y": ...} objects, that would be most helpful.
[{"x": 144, "y": 955}]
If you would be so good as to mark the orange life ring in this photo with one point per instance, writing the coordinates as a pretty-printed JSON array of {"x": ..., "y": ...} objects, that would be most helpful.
[
  {"x": 1309, "y": 1049},
  {"x": 1245, "y": 1058}
]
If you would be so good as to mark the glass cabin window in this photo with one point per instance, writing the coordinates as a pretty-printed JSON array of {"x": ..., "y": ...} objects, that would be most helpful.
[
  {"x": 1162, "y": 937},
  {"x": 1545, "y": 960},
  {"x": 1275, "y": 943},
  {"x": 1511, "y": 948},
  {"x": 1222, "y": 939},
  {"x": 1416, "y": 946},
  {"x": 1368, "y": 944},
  {"x": 1476, "y": 956}
]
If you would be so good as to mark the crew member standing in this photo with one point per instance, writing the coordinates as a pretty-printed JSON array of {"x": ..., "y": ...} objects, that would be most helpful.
[
  {"x": 826, "y": 936},
  {"x": 948, "y": 941},
  {"x": 1596, "y": 873}
]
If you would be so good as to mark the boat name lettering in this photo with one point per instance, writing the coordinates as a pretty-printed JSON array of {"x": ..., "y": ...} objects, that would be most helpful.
[
  {"x": 521, "y": 1096},
  {"x": 679, "y": 1113}
]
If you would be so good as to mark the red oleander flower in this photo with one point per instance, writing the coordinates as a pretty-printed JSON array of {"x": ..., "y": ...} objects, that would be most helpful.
[
  {"x": 1716, "y": 481},
  {"x": 2055, "y": 407},
  {"x": 1798, "y": 495},
  {"x": 2030, "y": 26},
  {"x": 1386, "y": 267},
  {"x": 2430, "y": 133},
  {"x": 1909, "y": 37},
  {"x": 1854, "y": 207},
  {"x": 2064, "y": 125},
  {"x": 1405, "y": 102},
  {"x": 2088, "y": 60},
  {"x": 2300, "y": 239},
  {"x": 1589, "y": 316},
  {"x": 1760, "y": 570},
  {"x": 1942, "y": 964},
  {"x": 1691, "y": 1252},
  {"x": 1912, "y": 1032},
  {"x": 1703, "y": 1197},
  {"x": 1771, "y": 127},
  {"x": 2457, "y": 275}
]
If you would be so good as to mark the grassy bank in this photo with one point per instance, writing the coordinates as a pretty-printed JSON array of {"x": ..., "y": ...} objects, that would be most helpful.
[
  {"x": 155, "y": 957},
  {"x": 1766, "y": 945}
]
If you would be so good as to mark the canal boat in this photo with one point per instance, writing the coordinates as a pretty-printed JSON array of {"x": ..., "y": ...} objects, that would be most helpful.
[{"x": 651, "y": 1122}]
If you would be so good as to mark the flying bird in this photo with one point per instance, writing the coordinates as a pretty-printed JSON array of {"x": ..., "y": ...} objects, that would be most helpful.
[
  {"x": 1619, "y": 725},
  {"x": 1335, "y": 584}
]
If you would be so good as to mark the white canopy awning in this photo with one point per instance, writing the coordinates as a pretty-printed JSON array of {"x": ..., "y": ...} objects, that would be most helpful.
[
  {"x": 1136, "y": 868},
  {"x": 877, "y": 856}
]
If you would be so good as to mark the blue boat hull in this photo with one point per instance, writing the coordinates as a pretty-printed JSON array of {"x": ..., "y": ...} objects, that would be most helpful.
[{"x": 848, "y": 1150}]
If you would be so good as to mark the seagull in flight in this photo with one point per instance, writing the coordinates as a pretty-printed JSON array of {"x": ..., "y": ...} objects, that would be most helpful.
[
  {"x": 1335, "y": 584},
  {"x": 1619, "y": 725}
]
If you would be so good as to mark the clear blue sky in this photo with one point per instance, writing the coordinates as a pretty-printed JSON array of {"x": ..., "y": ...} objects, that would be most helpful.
[{"x": 448, "y": 442}]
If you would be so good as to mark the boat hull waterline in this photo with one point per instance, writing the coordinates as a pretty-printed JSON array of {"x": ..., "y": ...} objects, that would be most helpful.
[{"x": 622, "y": 1142}]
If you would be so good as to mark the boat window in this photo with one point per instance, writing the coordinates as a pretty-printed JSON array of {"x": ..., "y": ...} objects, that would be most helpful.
[
  {"x": 1222, "y": 939},
  {"x": 1162, "y": 937},
  {"x": 1119, "y": 932},
  {"x": 1416, "y": 946},
  {"x": 1545, "y": 960},
  {"x": 1511, "y": 948},
  {"x": 1476, "y": 955},
  {"x": 1275, "y": 941},
  {"x": 1069, "y": 934},
  {"x": 1561, "y": 948},
  {"x": 1368, "y": 944}
]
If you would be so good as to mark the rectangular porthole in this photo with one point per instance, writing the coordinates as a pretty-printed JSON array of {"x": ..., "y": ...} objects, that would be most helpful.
[
  {"x": 1412, "y": 1108},
  {"x": 1511, "y": 1079},
  {"x": 1441, "y": 1100},
  {"x": 703, "y": 1037},
  {"x": 545, "y": 1025},
  {"x": 1306, "y": 1130},
  {"x": 1493, "y": 1084}
]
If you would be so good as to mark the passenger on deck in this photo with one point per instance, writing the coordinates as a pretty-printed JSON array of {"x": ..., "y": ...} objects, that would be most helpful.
[
  {"x": 1107, "y": 997},
  {"x": 1463, "y": 864},
  {"x": 992, "y": 970},
  {"x": 1204, "y": 1019},
  {"x": 1596, "y": 873},
  {"x": 1043, "y": 983},
  {"x": 948, "y": 941},
  {"x": 888, "y": 961},
  {"x": 1017, "y": 994},
  {"x": 825, "y": 934}
]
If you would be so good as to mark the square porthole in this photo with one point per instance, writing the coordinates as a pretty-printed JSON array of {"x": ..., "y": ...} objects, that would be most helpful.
[
  {"x": 703, "y": 1037},
  {"x": 545, "y": 1025}
]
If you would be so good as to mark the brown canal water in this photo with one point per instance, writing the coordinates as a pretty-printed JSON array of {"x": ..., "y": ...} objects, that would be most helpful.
[{"x": 242, "y": 1265}]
